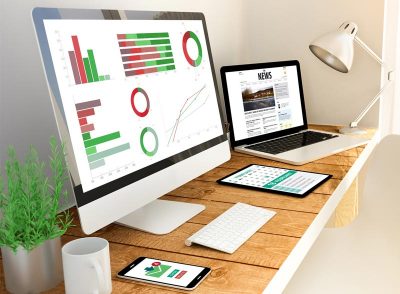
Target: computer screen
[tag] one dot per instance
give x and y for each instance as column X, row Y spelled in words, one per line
column 133, row 92
column 264, row 99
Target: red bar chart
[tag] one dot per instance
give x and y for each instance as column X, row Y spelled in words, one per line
column 95, row 154
column 84, row 68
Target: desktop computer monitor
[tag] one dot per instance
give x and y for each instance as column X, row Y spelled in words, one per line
column 135, row 99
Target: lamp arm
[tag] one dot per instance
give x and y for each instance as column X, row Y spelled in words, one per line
column 354, row 123
column 369, row 51
column 375, row 56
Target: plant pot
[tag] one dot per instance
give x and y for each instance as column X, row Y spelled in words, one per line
column 33, row 271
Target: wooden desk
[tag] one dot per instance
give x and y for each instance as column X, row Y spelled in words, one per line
column 254, row 265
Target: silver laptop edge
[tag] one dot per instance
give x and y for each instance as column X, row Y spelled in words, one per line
column 311, row 152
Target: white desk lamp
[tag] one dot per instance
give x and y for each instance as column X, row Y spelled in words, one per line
column 336, row 49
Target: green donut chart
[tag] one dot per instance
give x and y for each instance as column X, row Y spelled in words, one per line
column 144, row 132
column 190, row 35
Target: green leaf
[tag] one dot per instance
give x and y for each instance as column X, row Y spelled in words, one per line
column 30, row 200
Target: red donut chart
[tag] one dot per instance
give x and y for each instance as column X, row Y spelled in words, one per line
column 146, row 111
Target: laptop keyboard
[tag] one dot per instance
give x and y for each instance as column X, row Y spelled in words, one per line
column 291, row 142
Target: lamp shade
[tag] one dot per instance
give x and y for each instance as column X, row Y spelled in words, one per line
column 336, row 48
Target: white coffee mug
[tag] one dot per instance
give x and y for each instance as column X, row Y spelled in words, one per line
column 86, row 264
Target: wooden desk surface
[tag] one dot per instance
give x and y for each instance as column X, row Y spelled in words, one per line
column 254, row 264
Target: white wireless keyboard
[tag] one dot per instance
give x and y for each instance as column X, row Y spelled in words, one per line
column 232, row 228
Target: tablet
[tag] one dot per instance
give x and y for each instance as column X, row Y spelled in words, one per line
column 275, row 180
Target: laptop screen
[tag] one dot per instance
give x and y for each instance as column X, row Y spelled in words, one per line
column 263, row 99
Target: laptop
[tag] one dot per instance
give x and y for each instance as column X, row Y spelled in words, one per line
column 267, row 116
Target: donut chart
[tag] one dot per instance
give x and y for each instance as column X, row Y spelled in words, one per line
column 190, row 35
column 153, row 132
column 135, row 110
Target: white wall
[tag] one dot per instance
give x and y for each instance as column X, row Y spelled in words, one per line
column 281, row 30
column 390, row 105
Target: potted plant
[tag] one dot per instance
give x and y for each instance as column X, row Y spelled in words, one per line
column 30, row 220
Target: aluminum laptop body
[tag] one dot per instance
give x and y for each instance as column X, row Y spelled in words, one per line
column 265, row 104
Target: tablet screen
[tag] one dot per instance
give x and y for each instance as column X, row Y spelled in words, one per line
column 278, row 180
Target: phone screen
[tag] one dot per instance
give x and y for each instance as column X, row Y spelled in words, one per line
column 164, row 272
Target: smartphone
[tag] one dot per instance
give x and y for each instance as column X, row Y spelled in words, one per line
column 167, row 273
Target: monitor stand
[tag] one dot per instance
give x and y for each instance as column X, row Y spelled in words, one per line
column 161, row 216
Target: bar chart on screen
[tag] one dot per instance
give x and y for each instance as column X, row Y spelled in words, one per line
column 84, row 69
column 96, row 153
column 146, row 53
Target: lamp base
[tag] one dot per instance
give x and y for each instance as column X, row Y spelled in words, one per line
column 352, row 131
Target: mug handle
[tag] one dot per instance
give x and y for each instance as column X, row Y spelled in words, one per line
column 100, row 277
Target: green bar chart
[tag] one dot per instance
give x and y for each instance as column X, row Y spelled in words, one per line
column 84, row 68
column 146, row 53
column 93, row 66
column 95, row 152
column 102, row 139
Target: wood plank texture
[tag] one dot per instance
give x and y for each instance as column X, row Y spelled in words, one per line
column 225, row 275
column 261, row 249
column 347, row 210
column 253, row 265
column 285, row 223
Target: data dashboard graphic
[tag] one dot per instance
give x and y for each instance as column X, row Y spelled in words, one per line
column 186, row 37
column 84, row 68
column 148, row 152
column 159, row 99
column 156, row 269
column 146, row 53
column 96, row 158
column 134, row 107
column 191, row 105
column 278, row 179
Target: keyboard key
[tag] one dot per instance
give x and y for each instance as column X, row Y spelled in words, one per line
column 291, row 142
